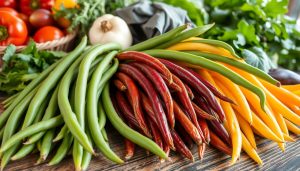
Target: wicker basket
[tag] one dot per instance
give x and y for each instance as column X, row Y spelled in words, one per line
column 63, row 44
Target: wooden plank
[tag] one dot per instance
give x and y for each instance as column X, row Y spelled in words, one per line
column 273, row 159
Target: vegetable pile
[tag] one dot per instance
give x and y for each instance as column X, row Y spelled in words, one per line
column 34, row 20
column 168, row 93
column 206, row 69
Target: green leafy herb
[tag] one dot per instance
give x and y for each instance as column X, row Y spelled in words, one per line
column 18, row 69
column 255, row 56
column 248, row 25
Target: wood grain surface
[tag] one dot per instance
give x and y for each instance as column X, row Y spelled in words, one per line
column 273, row 159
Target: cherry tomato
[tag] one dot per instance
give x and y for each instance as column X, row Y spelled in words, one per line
column 13, row 30
column 47, row 33
column 8, row 3
column 63, row 22
column 28, row 6
column 10, row 10
column 40, row 18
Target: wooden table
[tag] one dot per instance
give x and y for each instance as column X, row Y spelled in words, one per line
column 273, row 159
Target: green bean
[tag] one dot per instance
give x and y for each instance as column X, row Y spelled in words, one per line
column 32, row 85
column 47, row 143
column 80, row 91
column 157, row 40
column 77, row 155
column 41, row 111
column 62, row 150
column 62, row 133
column 92, row 109
column 208, row 64
column 72, row 96
column 51, row 81
column 7, row 155
column 243, row 66
column 126, row 131
column 102, row 117
column 40, row 126
column 104, row 134
column 24, row 151
column 185, row 35
column 86, row 157
column 218, row 43
column 1, row 133
column 15, row 117
column 10, row 98
column 49, row 113
column 77, row 149
column 7, row 104
column 39, row 161
column 65, row 106
column 82, row 78
column 107, row 75
column 38, row 145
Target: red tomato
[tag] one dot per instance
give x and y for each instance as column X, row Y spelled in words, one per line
column 47, row 33
column 25, row 18
column 40, row 18
column 28, row 6
column 63, row 22
column 10, row 10
column 8, row 3
column 13, row 30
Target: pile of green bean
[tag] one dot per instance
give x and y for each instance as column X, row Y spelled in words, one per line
column 61, row 111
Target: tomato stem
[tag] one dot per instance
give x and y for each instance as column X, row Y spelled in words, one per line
column 3, row 33
column 34, row 4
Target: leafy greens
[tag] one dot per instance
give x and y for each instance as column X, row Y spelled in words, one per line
column 256, row 28
column 18, row 69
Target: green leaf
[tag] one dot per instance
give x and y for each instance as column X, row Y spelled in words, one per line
column 9, row 52
column 255, row 9
column 30, row 48
column 276, row 7
column 240, row 42
column 248, row 31
column 256, row 57
column 229, row 35
column 277, row 29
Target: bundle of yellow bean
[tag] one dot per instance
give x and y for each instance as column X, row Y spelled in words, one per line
column 245, row 118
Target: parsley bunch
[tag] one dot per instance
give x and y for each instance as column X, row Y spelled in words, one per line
column 18, row 69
